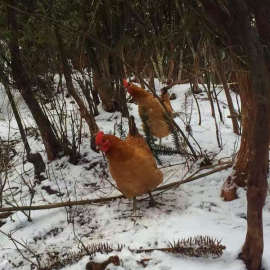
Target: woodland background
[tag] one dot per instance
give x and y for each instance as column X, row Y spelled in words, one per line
column 54, row 50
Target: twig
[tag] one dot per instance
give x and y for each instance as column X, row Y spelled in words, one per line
column 102, row 200
column 17, row 243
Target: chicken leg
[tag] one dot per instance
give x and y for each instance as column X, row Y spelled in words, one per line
column 134, row 205
column 152, row 202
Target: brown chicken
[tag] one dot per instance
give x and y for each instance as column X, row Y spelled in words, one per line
column 131, row 163
column 150, row 110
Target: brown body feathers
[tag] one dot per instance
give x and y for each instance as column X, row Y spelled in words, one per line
column 131, row 162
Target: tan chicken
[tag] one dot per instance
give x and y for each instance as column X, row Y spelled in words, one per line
column 150, row 110
column 131, row 163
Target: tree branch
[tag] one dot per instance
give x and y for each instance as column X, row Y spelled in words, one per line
column 103, row 200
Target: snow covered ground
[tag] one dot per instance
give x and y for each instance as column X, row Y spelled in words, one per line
column 192, row 209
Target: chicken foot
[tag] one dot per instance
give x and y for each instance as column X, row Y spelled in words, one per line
column 152, row 202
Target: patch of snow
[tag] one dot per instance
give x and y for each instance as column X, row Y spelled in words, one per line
column 192, row 209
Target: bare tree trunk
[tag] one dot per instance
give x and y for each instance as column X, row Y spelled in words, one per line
column 239, row 177
column 171, row 65
column 243, row 33
column 252, row 166
column 23, row 83
column 217, row 102
column 34, row 158
column 180, row 67
column 104, row 89
column 151, row 77
column 210, row 98
column 88, row 116
column 247, row 117
column 233, row 114
column 93, row 92
column 122, row 101
column 259, row 141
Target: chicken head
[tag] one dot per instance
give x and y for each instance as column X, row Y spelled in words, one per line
column 127, row 85
column 102, row 143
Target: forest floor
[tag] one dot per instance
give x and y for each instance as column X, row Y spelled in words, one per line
column 192, row 209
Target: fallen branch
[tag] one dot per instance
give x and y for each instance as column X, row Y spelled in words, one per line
column 197, row 246
column 61, row 204
column 191, row 178
column 102, row 200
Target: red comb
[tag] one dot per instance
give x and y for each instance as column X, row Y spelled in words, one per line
column 99, row 137
column 125, row 83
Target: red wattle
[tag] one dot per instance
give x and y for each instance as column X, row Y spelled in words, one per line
column 125, row 83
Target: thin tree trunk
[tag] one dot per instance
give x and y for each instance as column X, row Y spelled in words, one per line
column 23, row 83
column 171, row 65
column 209, row 94
column 85, row 87
column 233, row 114
column 151, row 77
column 122, row 99
column 34, row 158
column 181, row 64
column 89, row 118
column 217, row 102
column 239, row 176
column 103, row 87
